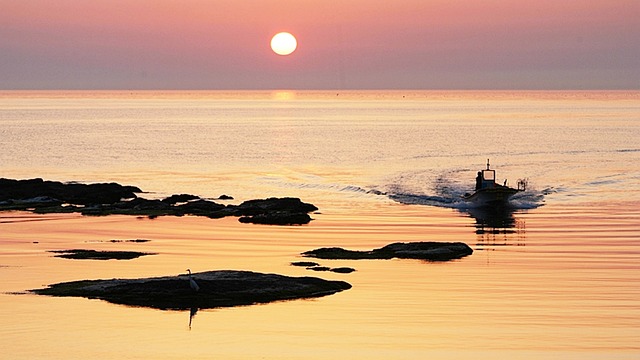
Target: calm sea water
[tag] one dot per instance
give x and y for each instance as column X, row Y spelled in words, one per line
column 557, row 277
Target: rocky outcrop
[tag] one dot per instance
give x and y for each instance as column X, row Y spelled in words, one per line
column 222, row 288
column 70, row 193
column 432, row 251
column 43, row 197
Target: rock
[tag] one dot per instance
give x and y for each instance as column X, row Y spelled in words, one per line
column 305, row 263
column 310, row 265
column 277, row 218
column 225, row 197
column 433, row 251
column 44, row 197
column 222, row 288
column 174, row 199
column 275, row 211
column 81, row 254
column 262, row 206
column 71, row 193
column 319, row 268
column 131, row 241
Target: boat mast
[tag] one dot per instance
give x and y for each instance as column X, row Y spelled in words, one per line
column 487, row 164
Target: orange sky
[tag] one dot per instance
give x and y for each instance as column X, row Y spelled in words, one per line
column 357, row 44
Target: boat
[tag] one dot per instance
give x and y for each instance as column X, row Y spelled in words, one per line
column 490, row 194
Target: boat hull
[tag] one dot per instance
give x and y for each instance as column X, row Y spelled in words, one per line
column 494, row 197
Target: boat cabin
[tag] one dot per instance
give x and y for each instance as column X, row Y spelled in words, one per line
column 486, row 179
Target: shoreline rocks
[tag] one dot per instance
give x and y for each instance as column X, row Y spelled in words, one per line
column 431, row 251
column 44, row 197
column 222, row 288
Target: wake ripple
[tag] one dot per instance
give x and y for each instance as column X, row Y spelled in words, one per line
column 447, row 192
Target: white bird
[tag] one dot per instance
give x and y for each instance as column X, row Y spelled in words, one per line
column 192, row 282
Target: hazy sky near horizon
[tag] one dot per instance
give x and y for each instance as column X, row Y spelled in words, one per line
column 348, row 44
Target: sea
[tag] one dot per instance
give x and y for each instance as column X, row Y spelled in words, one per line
column 556, row 275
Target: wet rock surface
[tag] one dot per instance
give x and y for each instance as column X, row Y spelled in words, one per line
column 432, row 251
column 39, row 196
column 223, row 288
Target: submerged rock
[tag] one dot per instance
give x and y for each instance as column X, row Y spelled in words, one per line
column 82, row 254
column 433, row 251
column 221, row 288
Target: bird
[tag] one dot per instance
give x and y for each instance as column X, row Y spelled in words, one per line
column 192, row 282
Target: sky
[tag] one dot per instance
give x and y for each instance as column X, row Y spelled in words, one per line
column 342, row 44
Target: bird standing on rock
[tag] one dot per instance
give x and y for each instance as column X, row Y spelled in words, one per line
column 192, row 282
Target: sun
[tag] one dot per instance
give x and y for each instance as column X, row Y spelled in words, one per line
column 283, row 43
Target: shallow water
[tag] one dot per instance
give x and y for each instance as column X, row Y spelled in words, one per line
column 557, row 277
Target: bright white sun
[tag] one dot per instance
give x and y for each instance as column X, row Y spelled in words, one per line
column 283, row 43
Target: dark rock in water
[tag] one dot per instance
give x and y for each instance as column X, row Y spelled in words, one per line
column 305, row 263
column 131, row 241
column 225, row 197
column 174, row 199
column 71, row 193
column 275, row 211
column 433, row 251
column 341, row 270
column 203, row 208
column 81, row 254
column 310, row 265
column 216, row 289
column 39, row 196
column 277, row 218
column 263, row 206
column 319, row 268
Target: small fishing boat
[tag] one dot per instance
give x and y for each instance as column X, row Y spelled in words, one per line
column 490, row 194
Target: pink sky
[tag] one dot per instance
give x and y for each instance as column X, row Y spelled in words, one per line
column 354, row 44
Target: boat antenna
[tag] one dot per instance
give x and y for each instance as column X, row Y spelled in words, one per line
column 487, row 164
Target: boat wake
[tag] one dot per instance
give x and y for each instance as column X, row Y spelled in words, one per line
column 445, row 191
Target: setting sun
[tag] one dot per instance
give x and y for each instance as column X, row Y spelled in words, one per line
column 283, row 43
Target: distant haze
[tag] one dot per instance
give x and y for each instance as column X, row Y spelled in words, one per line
column 354, row 44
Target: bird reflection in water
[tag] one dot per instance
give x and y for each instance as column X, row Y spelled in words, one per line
column 192, row 312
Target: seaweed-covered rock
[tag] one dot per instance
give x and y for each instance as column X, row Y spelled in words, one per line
column 222, row 288
column 433, row 251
